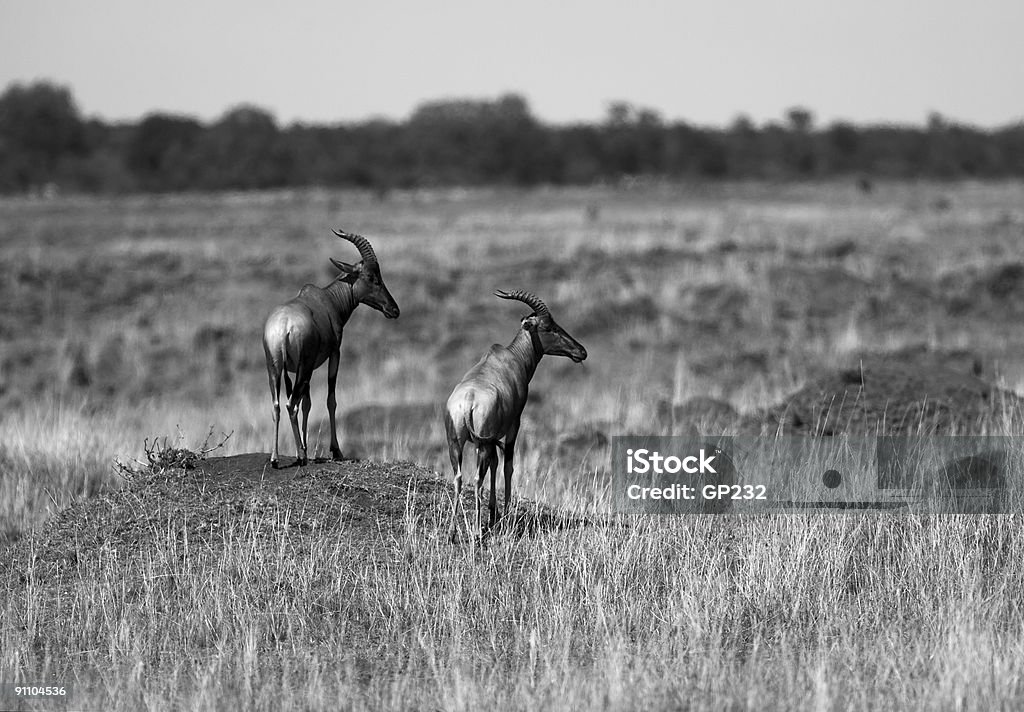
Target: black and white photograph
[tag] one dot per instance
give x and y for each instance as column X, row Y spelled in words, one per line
column 521, row 356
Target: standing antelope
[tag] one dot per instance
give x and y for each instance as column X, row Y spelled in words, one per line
column 487, row 404
column 306, row 331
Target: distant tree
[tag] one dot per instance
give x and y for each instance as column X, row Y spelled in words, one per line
column 893, row 151
column 801, row 154
column 1009, row 144
column 842, row 145
column 39, row 125
column 469, row 141
column 742, row 125
column 650, row 141
column 776, row 150
column 801, row 120
column 242, row 150
column 519, row 143
column 447, row 137
column 634, row 140
column 712, row 157
column 580, row 154
column 743, row 146
column 619, row 113
column 956, row 150
column 161, row 149
column 376, row 156
column 936, row 122
column 617, row 136
column 941, row 160
column 681, row 149
column 102, row 167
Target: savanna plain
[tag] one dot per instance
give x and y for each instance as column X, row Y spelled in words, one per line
column 177, row 579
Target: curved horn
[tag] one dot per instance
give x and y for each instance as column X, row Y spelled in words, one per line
column 534, row 301
column 365, row 251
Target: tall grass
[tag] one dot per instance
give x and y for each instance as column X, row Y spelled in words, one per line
column 780, row 612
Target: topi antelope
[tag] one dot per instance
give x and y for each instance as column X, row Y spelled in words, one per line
column 487, row 404
column 306, row 331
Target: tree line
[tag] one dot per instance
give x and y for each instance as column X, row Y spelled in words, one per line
column 45, row 141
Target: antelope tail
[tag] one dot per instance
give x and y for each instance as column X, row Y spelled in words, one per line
column 469, row 426
column 284, row 366
column 477, row 437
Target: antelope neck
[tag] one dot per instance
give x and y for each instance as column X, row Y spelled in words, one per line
column 526, row 350
column 343, row 298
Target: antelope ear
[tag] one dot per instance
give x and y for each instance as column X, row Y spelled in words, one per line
column 345, row 266
column 350, row 272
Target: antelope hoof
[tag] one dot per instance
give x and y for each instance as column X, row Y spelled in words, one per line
column 273, row 463
column 337, row 456
column 301, row 462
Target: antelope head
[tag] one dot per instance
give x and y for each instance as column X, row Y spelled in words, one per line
column 545, row 332
column 367, row 284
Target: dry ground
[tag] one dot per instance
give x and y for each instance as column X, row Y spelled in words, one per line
column 744, row 308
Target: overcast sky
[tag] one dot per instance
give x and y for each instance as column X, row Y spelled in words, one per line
column 704, row 61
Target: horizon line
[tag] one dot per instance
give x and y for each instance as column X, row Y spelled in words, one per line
column 374, row 117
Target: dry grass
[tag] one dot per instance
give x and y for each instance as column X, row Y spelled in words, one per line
column 128, row 318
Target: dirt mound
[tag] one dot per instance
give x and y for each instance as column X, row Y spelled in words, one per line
column 611, row 314
column 892, row 394
column 824, row 292
column 993, row 291
column 363, row 506
column 713, row 305
column 817, row 292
